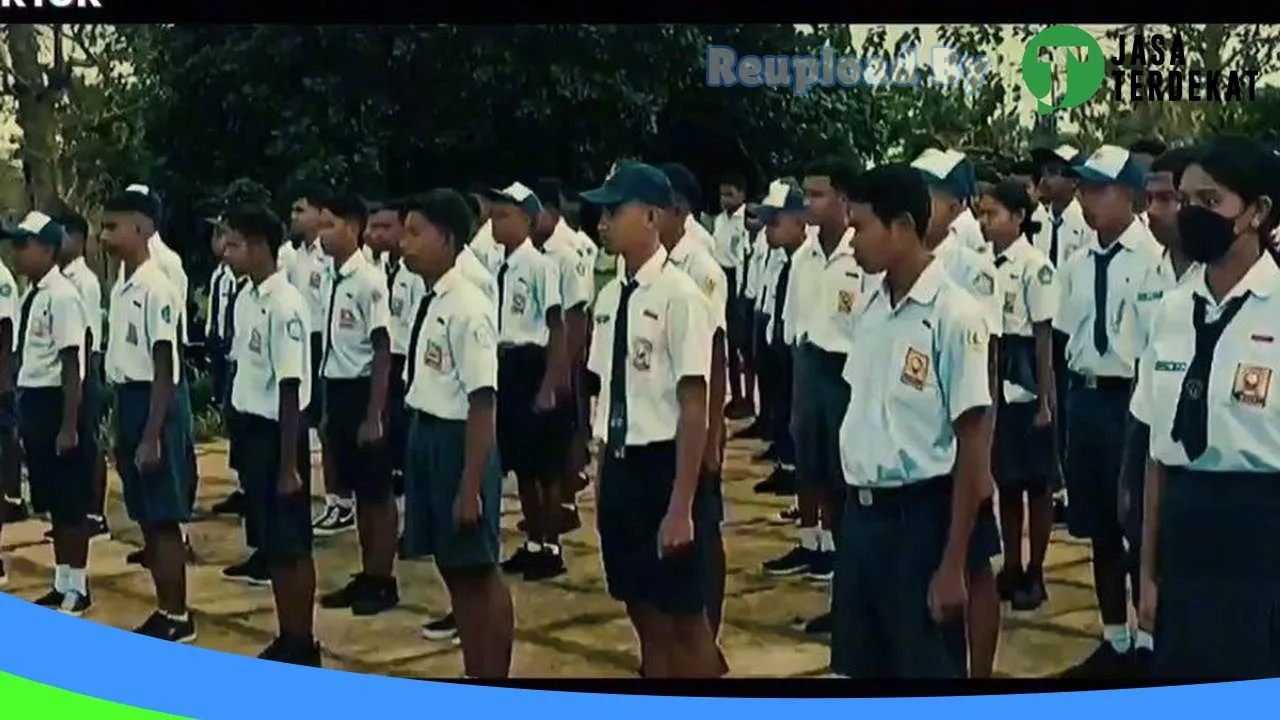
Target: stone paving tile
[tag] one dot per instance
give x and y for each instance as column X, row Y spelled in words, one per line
column 566, row 627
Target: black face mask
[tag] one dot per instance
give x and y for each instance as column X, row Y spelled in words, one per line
column 1206, row 236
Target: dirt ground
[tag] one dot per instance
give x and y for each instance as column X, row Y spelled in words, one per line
column 567, row 627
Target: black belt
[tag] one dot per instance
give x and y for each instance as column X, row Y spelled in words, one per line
column 1105, row 383
column 890, row 497
column 427, row 417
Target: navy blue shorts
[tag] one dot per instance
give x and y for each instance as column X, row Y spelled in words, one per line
column 1024, row 457
column 277, row 526
column 984, row 544
column 397, row 430
column 634, row 494
column 162, row 495
column 366, row 470
column 821, row 401
column 531, row 444
column 315, row 410
column 61, row 485
column 433, row 477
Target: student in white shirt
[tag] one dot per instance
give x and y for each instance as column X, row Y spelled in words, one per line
column 915, row 446
column 745, row 317
column 142, row 366
column 1209, row 557
column 10, row 511
column 50, row 379
column 270, row 393
column 687, row 253
column 651, row 353
column 453, row 497
column 217, row 332
column 731, row 237
column 354, row 370
column 1024, row 459
column 1096, row 312
column 559, row 242
column 71, row 259
column 1144, row 152
column 382, row 236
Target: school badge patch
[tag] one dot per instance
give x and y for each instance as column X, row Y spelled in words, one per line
column 518, row 304
column 166, row 314
column 709, row 286
column 1010, row 301
column 642, row 354
column 346, row 319
column 131, row 335
column 1252, row 385
column 1045, row 276
column 6, row 290
column 844, row 302
column 294, row 329
column 316, row 280
column 915, row 369
column 255, row 341
column 484, row 336
column 433, row 356
column 985, row 284
column 397, row 305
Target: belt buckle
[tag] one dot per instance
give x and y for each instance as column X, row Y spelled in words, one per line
column 865, row 497
column 1091, row 382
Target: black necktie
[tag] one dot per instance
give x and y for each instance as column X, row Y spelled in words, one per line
column 1102, row 261
column 1000, row 261
column 616, row 440
column 23, row 318
column 215, row 309
column 780, row 299
column 229, row 327
column 328, row 322
column 502, row 289
column 1191, row 420
column 1056, row 224
column 411, row 362
column 391, row 277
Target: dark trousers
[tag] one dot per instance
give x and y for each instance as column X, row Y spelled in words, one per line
column 782, row 358
column 733, row 339
column 765, row 372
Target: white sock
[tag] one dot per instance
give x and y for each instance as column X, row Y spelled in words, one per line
column 179, row 618
column 554, row 549
column 809, row 538
column 1119, row 636
column 1143, row 640
column 77, row 580
column 827, row 542
column 60, row 578
column 788, row 467
column 532, row 546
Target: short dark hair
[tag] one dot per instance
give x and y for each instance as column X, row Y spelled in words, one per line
column 1175, row 161
column 894, row 191
column 843, row 173
column 472, row 200
column 734, row 180
column 448, row 210
column 74, row 223
column 256, row 223
column 1028, row 168
column 1148, row 146
column 684, row 183
column 550, row 192
column 348, row 207
column 387, row 204
column 315, row 194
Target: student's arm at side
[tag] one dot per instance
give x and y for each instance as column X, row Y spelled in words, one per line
column 689, row 339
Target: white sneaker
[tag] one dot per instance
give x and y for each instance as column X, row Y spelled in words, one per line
column 336, row 519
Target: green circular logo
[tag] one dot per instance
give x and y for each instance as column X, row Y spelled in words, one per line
column 1062, row 80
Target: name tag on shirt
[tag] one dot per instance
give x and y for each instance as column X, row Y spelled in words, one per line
column 1150, row 296
column 433, row 357
column 1170, row 366
column 915, row 368
column 1252, row 385
column 346, row 319
column 642, row 354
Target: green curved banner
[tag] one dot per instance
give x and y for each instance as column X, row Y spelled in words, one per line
column 21, row 699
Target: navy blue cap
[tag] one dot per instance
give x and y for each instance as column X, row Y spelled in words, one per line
column 1110, row 165
column 1044, row 154
column 37, row 227
column 633, row 182
column 948, row 170
column 517, row 194
column 782, row 198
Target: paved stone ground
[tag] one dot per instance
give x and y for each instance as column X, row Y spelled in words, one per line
column 567, row 627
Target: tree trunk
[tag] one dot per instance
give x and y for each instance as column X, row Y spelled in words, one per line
column 36, row 117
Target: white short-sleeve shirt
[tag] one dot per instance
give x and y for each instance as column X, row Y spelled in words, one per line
column 1027, row 297
column 692, row 257
column 56, row 323
column 976, row 273
column 456, row 351
column 1243, row 420
column 826, row 294
column 358, row 309
column 669, row 338
column 563, row 249
column 90, row 291
column 143, row 314
column 271, row 347
column 312, row 273
column 407, row 289
column 922, row 365
column 529, row 288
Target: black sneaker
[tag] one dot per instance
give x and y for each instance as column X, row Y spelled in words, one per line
column 163, row 627
column 282, row 650
column 252, row 571
column 1008, row 582
column 381, row 594
column 401, row 552
column 822, row 566
column 233, row 504
column 1103, row 663
column 769, row 454
column 545, row 565
column 794, row 562
column 1031, row 593
column 358, row 588
column 569, row 519
column 820, row 625
column 335, row 520
column 519, row 560
column 137, row 557
column 51, row 599
column 739, row 409
column 754, row 431
column 446, row 628
column 14, row 510
column 1142, row 664
column 48, row 534
column 779, row 482
column 98, row 529
column 1059, row 510
column 790, row 516
column 75, row 603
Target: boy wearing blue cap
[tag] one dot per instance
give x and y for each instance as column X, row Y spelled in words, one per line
column 1096, row 313
column 142, row 364
column 650, row 358
column 534, row 416
column 50, row 356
